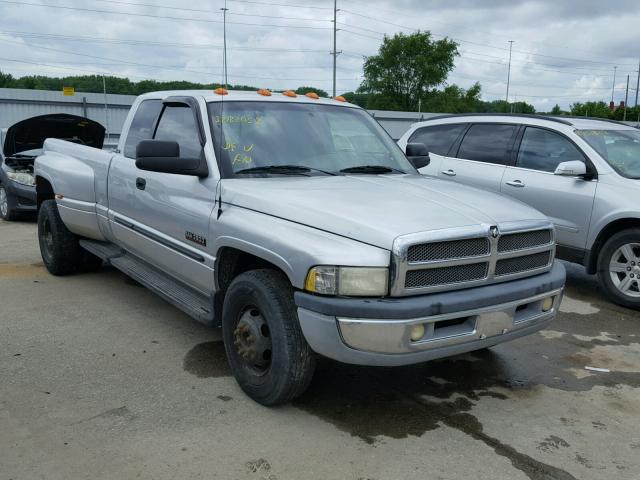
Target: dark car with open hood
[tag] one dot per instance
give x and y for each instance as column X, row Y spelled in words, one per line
column 22, row 143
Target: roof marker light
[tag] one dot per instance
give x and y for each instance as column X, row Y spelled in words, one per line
column 264, row 92
column 313, row 95
column 289, row 93
column 340, row 98
column 221, row 91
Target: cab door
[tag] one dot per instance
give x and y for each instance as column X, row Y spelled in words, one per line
column 482, row 156
column 173, row 211
column 567, row 201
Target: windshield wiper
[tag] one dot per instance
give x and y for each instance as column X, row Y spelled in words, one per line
column 372, row 169
column 283, row 169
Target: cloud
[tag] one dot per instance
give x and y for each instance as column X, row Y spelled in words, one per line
column 563, row 51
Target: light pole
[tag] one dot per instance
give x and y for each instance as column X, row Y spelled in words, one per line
column 335, row 47
column 224, row 42
column 509, row 72
column 613, row 87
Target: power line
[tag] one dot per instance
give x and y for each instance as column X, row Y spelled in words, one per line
column 282, row 4
column 463, row 40
column 198, row 10
column 152, row 43
column 165, row 17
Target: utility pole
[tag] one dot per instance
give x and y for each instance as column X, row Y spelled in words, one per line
column 335, row 51
column 106, row 108
column 626, row 99
column 224, row 42
column 637, row 83
column 509, row 71
column 613, row 87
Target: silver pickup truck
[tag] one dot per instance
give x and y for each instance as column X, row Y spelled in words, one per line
column 299, row 227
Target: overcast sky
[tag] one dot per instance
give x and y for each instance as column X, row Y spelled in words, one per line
column 564, row 51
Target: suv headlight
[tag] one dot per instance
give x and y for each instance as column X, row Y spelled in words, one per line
column 22, row 178
column 348, row 281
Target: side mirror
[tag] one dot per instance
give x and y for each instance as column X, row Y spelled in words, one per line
column 164, row 157
column 418, row 154
column 574, row 168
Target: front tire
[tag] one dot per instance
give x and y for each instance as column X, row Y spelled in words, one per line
column 265, row 347
column 619, row 268
column 60, row 249
column 7, row 211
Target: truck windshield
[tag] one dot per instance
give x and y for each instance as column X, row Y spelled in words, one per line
column 620, row 148
column 278, row 138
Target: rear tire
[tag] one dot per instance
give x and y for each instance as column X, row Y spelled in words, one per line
column 265, row 347
column 619, row 268
column 7, row 211
column 60, row 249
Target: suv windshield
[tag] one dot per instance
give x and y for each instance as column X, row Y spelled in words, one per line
column 277, row 138
column 620, row 148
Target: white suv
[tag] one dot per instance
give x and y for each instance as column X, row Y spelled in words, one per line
column 582, row 173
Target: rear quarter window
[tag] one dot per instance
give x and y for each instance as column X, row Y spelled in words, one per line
column 438, row 138
column 488, row 142
column 142, row 125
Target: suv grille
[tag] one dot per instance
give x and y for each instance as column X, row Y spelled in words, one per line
column 426, row 252
column 480, row 257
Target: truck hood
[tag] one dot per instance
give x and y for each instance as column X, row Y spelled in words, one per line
column 374, row 209
column 31, row 133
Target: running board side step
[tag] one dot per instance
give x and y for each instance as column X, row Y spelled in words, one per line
column 191, row 302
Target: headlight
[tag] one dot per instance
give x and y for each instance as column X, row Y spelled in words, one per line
column 348, row 281
column 22, row 178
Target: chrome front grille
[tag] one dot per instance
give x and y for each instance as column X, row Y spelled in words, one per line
column 426, row 252
column 470, row 256
column 521, row 241
column 445, row 275
column 522, row 264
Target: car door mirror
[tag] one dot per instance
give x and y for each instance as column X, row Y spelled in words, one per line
column 164, row 157
column 418, row 154
column 574, row 168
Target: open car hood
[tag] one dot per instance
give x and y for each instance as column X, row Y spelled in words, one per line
column 31, row 133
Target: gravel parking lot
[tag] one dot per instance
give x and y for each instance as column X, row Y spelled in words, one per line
column 99, row 378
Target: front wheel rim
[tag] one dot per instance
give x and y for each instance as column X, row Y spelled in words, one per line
column 252, row 341
column 46, row 238
column 4, row 202
column 624, row 269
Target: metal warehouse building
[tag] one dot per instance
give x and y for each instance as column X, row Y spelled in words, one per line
column 17, row 104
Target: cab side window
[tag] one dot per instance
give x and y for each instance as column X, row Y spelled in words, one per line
column 543, row 150
column 142, row 125
column 438, row 138
column 488, row 142
column 177, row 123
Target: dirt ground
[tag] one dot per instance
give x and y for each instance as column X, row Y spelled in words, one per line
column 101, row 379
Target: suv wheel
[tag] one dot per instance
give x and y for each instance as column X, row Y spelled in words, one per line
column 6, row 209
column 60, row 250
column 265, row 347
column 619, row 268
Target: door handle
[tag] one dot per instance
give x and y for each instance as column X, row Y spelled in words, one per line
column 141, row 183
column 449, row 173
column 515, row 183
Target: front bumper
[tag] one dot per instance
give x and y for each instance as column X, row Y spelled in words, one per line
column 377, row 331
column 22, row 198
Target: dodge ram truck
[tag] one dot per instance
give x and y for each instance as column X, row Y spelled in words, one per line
column 300, row 228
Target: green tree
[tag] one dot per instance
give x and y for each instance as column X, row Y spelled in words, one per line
column 305, row 90
column 453, row 99
column 556, row 110
column 591, row 109
column 501, row 106
column 406, row 68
